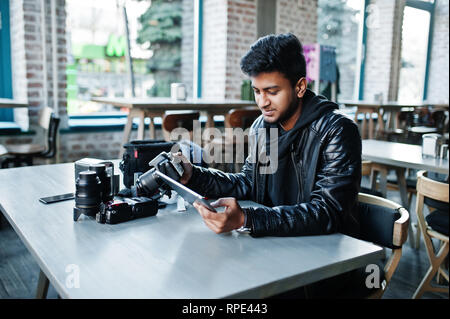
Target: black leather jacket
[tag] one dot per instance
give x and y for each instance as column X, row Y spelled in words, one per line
column 327, row 155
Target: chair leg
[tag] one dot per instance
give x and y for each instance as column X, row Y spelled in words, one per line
column 436, row 261
column 418, row 236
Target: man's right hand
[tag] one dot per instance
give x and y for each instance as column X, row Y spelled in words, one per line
column 187, row 166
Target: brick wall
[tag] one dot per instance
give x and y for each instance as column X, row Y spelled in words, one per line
column 241, row 33
column 214, row 48
column 298, row 17
column 438, row 72
column 27, row 63
column 230, row 28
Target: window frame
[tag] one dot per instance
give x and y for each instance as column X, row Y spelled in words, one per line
column 6, row 90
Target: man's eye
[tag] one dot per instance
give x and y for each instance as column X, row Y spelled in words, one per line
column 256, row 92
column 273, row 92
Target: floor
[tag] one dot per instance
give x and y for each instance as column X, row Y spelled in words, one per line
column 19, row 272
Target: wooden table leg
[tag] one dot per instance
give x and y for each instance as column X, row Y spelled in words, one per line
column 210, row 120
column 152, row 128
column 371, row 127
column 42, row 287
column 383, row 171
column 127, row 130
column 141, row 127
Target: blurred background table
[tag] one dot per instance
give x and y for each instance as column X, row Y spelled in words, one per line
column 155, row 107
column 404, row 122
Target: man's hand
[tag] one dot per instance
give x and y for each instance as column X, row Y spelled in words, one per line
column 187, row 166
column 222, row 222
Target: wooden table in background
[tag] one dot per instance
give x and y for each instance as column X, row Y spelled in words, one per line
column 155, row 107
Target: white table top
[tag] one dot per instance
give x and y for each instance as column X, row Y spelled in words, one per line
column 401, row 155
column 170, row 255
column 393, row 104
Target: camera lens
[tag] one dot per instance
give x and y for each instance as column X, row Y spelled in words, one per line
column 88, row 193
column 148, row 183
column 100, row 170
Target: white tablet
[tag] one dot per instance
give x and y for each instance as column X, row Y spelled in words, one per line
column 188, row 194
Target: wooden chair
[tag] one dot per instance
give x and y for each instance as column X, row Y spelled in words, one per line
column 397, row 124
column 434, row 225
column 178, row 119
column 380, row 185
column 366, row 170
column 24, row 153
column 384, row 223
column 369, row 131
column 236, row 118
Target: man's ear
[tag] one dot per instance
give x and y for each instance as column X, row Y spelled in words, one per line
column 300, row 87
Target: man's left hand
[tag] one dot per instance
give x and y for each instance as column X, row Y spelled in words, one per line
column 231, row 218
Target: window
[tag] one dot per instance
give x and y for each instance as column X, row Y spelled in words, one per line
column 415, row 47
column 159, row 44
column 339, row 24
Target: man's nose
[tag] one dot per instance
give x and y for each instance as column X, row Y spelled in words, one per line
column 263, row 101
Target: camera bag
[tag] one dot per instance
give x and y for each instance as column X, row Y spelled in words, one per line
column 138, row 154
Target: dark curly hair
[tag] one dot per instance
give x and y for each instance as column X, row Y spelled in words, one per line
column 282, row 53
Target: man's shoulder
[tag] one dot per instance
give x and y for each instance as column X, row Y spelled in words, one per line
column 333, row 120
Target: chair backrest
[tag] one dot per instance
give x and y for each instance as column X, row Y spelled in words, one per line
column 385, row 223
column 184, row 119
column 430, row 188
column 50, row 123
column 243, row 117
column 175, row 119
column 372, row 130
column 436, row 195
column 366, row 168
column 439, row 119
column 52, row 135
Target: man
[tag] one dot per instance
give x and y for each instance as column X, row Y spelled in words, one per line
column 314, row 189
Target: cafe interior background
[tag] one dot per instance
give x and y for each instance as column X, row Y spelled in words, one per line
column 383, row 50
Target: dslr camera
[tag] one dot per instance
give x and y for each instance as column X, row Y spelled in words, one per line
column 121, row 210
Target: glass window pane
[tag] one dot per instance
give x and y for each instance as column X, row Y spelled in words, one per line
column 339, row 26
column 97, row 48
column 414, row 54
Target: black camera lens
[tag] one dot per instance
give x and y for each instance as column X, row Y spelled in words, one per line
column 148, row 183
column 105, row 179
column 88, row 194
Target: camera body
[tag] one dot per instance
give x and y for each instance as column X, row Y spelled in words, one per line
column 118, row 211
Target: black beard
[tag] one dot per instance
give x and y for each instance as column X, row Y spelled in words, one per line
column 295, row 104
